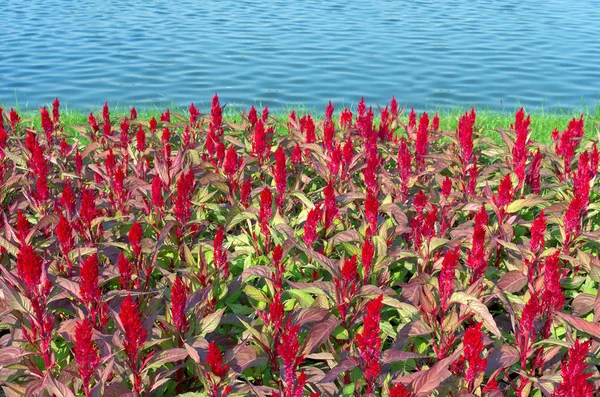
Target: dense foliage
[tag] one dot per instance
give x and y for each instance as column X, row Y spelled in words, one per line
column 350, row 256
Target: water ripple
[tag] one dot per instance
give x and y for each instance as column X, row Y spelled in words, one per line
column 428, row 53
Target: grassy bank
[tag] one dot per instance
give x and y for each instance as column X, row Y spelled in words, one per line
column 542, row 122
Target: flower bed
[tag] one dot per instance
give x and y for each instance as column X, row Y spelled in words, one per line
column 193, row 254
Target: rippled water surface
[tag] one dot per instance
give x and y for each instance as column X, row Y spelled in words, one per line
column 290, row 53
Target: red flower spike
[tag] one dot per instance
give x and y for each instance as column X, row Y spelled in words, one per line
column 178, row 305
column 230, row 166
column 310, row 226
column 399, row 391
column 125, row 270
column 29, row 267
column 464, row 135
column 505, row 193
column 153, row 125
column 265, row 114
column 245, row 191
column 266, row 210
column 185, row 190
column 214, row 359
column 349, row 274
column 135, row 238
column 132, row 114
column 553, row 297
column 446, row 187
column 259, row 141
column 78, row 162
column 280, row 175
column 369, row 342
column 538, row 229
column 473, row 342
column 47, row 124
column 87, row 355
column 194, row 113
column 140, row 138
column 220, row 254
column 533, row 178
column 23, row 226
column 124, row 132
column 289, row 350
column 412, row 120
column 64, row 234
column 55, row 110
column 331, row 210
column 367, row 254
column 252, row 116
column 575, row 379
column 157, row 198
column 345, row 120
column 88, row 284
column 435, row 124
column 307, row 126
column 106, row 113
column 394, row 107
column 93, row 124
column 519, row 150
column 371, row 211
column 135, row 335
column 13, row 118
column 477, row 260
column 297, row 155
column 166, row 116
column 447, row 274
column 422, row 142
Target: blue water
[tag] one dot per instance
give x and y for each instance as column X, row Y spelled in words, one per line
column 288, row 53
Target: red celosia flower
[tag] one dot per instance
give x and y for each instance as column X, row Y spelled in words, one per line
column 412, row 120
column 367, row 254
column 132, row 114
column 280, row 175
column 135, row 335
column 88, row 284
column 371, row 211
column 214, row 358
column 533, row 178
column 572, row 218
column 124, row 132
column 166, row 136
column 185, row 189
column 187, row 137
column 422, row 141
column 135, row 238
column 166, row 116
column 477, row 258
column 47, row 124
column 345, row 120
column 125, row 270
column 64, row 148
column 464, row 134
column 538, row 229
column 276, row 312
column 369, row 342
column 29, row 267
column 157, row 198
column 573, row 372
column 64, row 233
column 194, row 113
column 289, row 350
column 153, row 125
column 297, row 155
column 394, row 107
column 266, row 209
column 566, row 143
column 525, row 336
column 371, row 172
column 307, row 126
column 111, row 163
column 519, row 150
column 331, row 210
column 349, row 274
column 220, row 152
column 399, row 391
column 335, row 161
column 553, row 297
column 446, row 277
column 86, row 353
column 384, row 125
column 23, row 226
column 446, row 187
column 13, row 118
column 78, row 162
column 348, row 152
column 231, row 165
column 55, row 110
column 140, row 138
column 220, row 254
column 328, row 134
column 93, row 124
column 178, row 305
column 473, row 342
column 310, row 226
column 435, row 124
column 245, row 191
column 265, row 113
column 252, row 116
column 404, row 165
column 505, row 194
column 259, row 141
column 106, row 113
